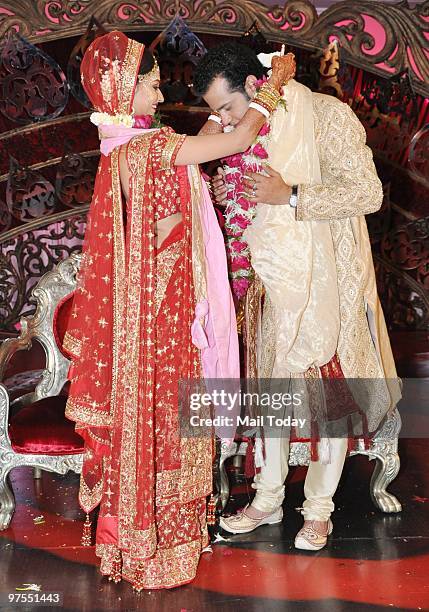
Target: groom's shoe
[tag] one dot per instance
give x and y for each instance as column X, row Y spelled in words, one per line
column 311, row 537
column 241, row 523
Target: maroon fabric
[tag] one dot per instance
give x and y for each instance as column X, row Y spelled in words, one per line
column 42, row 429
column 61, row 321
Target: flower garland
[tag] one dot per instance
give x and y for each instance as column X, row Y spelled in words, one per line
column 240, row 211
column 137, row 121
column 148, row 121
column 106, row 119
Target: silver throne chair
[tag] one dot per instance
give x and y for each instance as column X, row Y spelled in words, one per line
column 39, row 413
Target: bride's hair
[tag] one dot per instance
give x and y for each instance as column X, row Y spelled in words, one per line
column 148, row 61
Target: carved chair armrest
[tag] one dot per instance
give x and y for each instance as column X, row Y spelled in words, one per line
column 52, row 288
column 10, row 346
column 5, row 444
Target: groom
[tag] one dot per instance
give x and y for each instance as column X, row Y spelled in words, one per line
column 309, row 246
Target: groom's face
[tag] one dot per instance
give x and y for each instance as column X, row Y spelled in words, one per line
column 231, row 105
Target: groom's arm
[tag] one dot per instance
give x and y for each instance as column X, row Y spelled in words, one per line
column 350, row 186
column 213, row 125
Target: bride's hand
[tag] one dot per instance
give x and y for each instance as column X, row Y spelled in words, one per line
column 283, row 70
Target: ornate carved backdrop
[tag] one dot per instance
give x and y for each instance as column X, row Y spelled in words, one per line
column 400, row 47
column 49, row 152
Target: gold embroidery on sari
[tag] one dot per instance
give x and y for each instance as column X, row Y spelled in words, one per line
column 118, row 275
column 129, row 73
column 140, row 543
column 79, row 412
column 170, row 150
column 194, row 478
column 198, row 255
column 171, row 567
column 165, row 263
column 94, row 436
column 90, row 498
column 72, row 345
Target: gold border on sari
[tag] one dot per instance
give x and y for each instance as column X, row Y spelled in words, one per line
column 72, row 345
column 129, row 75
column 165, row 261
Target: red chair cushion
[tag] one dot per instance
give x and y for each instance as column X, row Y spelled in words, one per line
column 42, row 429
column 61, row 321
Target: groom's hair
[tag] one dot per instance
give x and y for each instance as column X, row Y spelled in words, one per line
column 232, row 61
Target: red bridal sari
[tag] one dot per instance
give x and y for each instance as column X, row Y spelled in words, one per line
column 130, row 337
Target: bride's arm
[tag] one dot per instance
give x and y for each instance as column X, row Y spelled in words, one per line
column 206, row 147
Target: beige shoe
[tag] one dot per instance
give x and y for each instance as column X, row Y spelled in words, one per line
column 308, row 538
column 241, row 523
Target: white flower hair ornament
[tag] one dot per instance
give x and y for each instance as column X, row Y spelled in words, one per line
column 265, row 58
column 106, row 119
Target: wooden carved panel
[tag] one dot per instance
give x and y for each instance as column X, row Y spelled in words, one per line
column 27, row 257
column 402, row 43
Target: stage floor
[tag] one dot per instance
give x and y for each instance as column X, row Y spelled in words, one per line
column 372, row 562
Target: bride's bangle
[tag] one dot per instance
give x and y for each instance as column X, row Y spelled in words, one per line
column 267, row 97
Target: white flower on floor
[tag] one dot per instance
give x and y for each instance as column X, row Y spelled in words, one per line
column 27, row 586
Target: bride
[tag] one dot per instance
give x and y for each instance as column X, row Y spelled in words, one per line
column 152, row 307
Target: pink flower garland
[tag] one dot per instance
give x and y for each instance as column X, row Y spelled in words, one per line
column 240, row 210
column 143, row 121
column 147, row 121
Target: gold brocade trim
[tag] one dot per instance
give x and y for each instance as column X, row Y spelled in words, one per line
column 170, row 150
column 140, row 228
column 267, row 345
column 164, row 266
column 313, row 373
column 316, row 394
column 92, row 435
column 90, row 498
column 81, row 413
column 118, row 274
column 169, row 568
column 72, row 345
column 198, row 255
column 129, row 73
column 107, row 554
column 252, row 318
column 192, row 480
column 140, row 544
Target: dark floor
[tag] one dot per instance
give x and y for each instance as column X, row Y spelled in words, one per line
column 373, row 561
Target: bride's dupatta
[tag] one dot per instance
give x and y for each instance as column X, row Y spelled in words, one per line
column 95, row 337
column 130, row 337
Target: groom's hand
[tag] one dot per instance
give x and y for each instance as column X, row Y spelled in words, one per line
column 269, row 189
column 219, row 186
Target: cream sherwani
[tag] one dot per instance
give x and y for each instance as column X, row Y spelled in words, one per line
column 342, row 311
